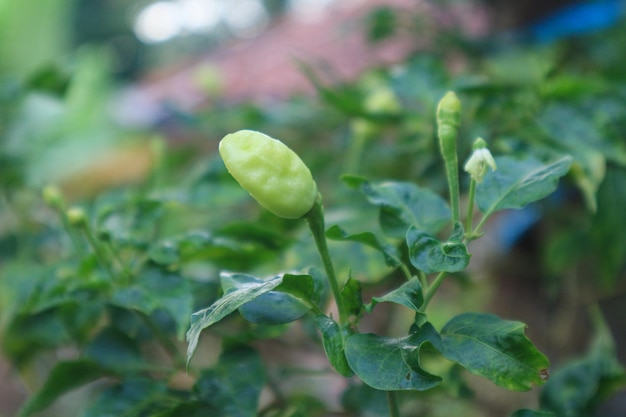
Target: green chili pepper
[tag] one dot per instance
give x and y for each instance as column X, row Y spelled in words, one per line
column 448, row 121
column 270, row 171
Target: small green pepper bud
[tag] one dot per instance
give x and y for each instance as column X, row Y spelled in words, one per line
column 270, row 171
column 448, row 122
column 76, row 217
column 52, row 196
column 382, row 100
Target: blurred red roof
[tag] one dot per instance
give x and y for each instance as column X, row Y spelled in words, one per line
column 265, row 67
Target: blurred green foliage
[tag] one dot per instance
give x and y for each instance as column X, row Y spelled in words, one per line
column 32, row 34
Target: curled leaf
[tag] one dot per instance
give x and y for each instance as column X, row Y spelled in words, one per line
column 429, row 254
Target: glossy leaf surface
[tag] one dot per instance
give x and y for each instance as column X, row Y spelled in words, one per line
column 408, row 294
column 155, row 290
column 239, row 374
column 392, row 364
column 334, row 346
column 404, row 204
column 114, row 350
column 517, row 183
column 428, row 254
column 352, row 296
column 134, row 397
column 230, row 302
column 288, row 302
column 389, row 252
column 496, row 349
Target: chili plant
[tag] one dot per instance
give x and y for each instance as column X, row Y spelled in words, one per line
column 425, row 238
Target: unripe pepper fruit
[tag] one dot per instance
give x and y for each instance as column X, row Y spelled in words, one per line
column 270, row 171
column 448, row 117
column 448, row 122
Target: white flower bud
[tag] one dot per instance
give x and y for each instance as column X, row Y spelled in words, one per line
column 480, row 161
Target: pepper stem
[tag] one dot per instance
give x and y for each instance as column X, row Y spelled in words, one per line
column 315, row 219
column 392, row 402
column 470, row 209
column 452, row 171
column 432, row 289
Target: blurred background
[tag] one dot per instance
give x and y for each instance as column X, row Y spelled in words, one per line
column 97, row 95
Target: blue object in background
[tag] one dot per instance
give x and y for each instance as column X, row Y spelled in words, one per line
column 577, row 19
column 514, row 224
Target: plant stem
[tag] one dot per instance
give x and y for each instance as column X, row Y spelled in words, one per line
column 432, row 289
column 128, row 275
column 70, row 232
column 355, row 153
column 97, row 248
column 452, row 172
column 423, row 280
column 470, row 209
column 315, row 219
column 476, row 232
column 392, row 401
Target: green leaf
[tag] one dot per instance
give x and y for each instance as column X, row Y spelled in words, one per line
column 230, row 302
column 27, row 335
column 575, row 389
column 588, row 173
column 238, row 245
column 517, row 183
column 165, row 253
column 530, row 413
column 577, row 131
column 155, row 290
column 352, row 296
column 132, row 398
column 496, row 349
column 333, row 341
column 392, row 364
column 607, row 230
column 429, row 254
column 288, row 302
column 390, row 253
column 321, row 288
column 113, row 349
column 408, row 294
column 381, row 23
column 233, row 386
column 404, row 204
column 187, row 409
column 301, row 286
column 343, row 97
column 28, row 290
column 64, row 377
column 50, row 79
